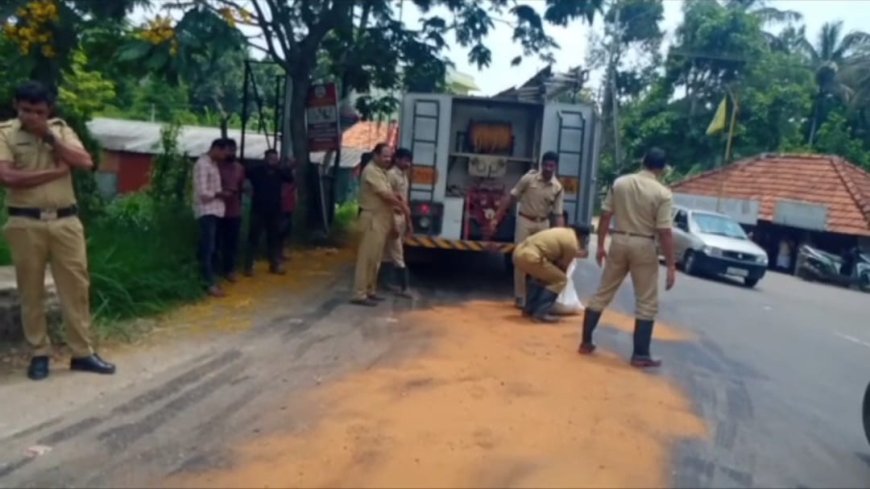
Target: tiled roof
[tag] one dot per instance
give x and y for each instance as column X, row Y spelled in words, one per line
column 815, row 179
column 366, row 134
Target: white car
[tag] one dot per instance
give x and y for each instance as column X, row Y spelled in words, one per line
column 714, row 244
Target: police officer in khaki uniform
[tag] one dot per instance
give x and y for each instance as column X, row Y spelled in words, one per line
column 394, row 253
column 37, row 155
column 642, row 208
column 377, row 201
column 540, row 196
column 545, row 257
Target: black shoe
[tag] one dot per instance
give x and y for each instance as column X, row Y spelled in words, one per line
column 376, row 298
column 38, row 369
column 93, row 364
column 533, row 292
column 590, row 322
column 364, row 302
column 641, row 358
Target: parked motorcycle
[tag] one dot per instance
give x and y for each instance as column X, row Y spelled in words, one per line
column 818, row 265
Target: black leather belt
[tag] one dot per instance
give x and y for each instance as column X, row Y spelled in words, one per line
column 633, row 235
column 43, row 214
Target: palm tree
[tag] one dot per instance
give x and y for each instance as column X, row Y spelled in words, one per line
column 836, row 59
column 762, row 10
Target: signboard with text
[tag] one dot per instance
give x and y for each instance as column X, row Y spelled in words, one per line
column 322, row 123
column 813, row 217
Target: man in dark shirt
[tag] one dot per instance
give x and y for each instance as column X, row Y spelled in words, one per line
column 267, row 181
column 230, row 226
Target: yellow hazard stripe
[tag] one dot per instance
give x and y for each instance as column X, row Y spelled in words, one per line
column 463, row 245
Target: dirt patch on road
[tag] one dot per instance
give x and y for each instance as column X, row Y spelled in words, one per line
column 496, row 402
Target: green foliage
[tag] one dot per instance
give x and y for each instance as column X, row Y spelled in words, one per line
column 84, row 91
column 142, row 248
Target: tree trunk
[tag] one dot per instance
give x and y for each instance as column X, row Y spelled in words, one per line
column 307, row 207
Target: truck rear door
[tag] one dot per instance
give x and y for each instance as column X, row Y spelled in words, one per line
column 425, row 130
column 571, row 130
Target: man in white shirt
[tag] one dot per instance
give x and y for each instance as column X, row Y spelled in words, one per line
column 209, row 207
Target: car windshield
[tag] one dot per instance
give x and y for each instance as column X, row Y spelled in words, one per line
column 718, row 225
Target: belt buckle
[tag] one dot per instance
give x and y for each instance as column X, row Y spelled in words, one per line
column 48, row 215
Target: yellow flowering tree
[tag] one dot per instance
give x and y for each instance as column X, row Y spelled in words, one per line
column 46, row 32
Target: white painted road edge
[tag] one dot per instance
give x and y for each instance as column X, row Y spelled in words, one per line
column 852, row 339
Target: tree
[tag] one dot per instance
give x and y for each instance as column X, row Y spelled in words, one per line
column 367, row 43
column 46, row 32
column 828, row 56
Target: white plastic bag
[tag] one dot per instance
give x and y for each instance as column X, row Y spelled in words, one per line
column 568, row 304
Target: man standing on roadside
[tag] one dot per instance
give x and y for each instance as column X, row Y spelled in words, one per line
column 230, row 225
column 288, row 206
column 540, row 196
column 267, row 181
column 394, row 252
column 376, row 201
column 209, row 207
column 642, row 207
column 37, row 156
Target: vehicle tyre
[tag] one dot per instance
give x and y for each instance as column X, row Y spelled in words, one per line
column 690, row 266
column 750, row 282
column 865, row 413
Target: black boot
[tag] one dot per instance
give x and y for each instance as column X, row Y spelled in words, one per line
column 403, row 278
column 38, row 369
column 590, row 322
column 533, row 290
column 543, row 303
column 385, row 276
column 641, row 358
column 93, row 364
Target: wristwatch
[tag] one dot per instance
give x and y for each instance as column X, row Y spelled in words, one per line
column 49, row 138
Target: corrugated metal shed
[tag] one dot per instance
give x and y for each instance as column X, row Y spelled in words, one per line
column 144, row 137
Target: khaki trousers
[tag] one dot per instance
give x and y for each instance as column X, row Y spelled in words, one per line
column 524, row 229
column 529, row 261
column 375, row 228
column 394, row 250
column 60, row 243
column 636, row 256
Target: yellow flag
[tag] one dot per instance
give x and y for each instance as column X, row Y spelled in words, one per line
column 718, row 123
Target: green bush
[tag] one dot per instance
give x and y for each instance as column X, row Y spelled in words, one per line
column 142, row 259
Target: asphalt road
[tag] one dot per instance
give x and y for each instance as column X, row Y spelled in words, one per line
column 777, row 371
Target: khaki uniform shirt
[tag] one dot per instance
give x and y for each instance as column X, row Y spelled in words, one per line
column 398, row 182
column 557, row 245
column 27, row 152
column 639, row 203
column 374, row 181
column 538, row 198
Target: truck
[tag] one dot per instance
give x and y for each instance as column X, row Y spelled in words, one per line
column 469, row 152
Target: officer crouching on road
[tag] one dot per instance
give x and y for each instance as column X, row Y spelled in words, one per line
column 541, row 198
column 642, row 207
column 37, row 156
column 545, row 257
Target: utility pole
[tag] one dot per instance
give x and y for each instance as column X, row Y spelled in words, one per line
column 615, row 35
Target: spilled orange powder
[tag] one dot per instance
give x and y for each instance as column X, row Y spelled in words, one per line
column 306, row 268
column 495, row 402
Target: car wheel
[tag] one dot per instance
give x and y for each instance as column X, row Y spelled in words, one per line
column 689, row 264
column 750, row 282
